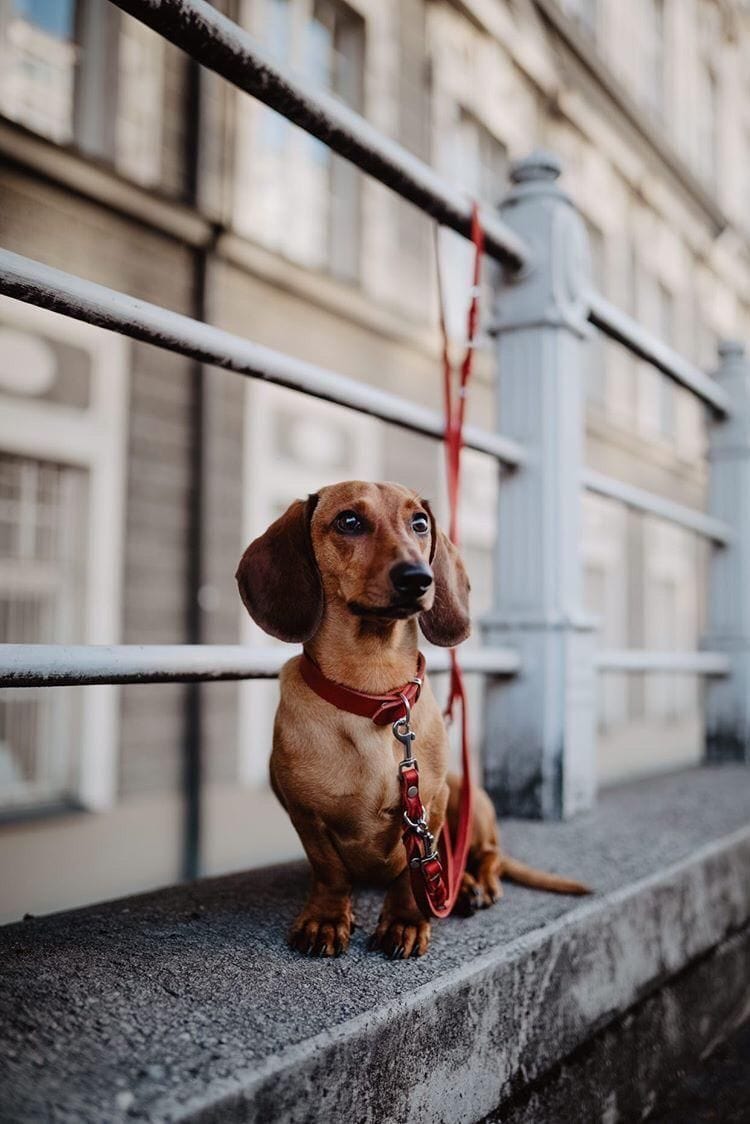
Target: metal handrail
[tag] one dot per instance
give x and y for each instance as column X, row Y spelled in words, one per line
column 221, row 45
column 58, row 665
column 643, row 500
column 641, row 342
column 35, row 283
column 642, row 659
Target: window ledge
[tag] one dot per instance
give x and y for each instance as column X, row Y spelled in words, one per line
column 186, row 1003
column 347, row 299
column 14, row 815
column 66, row 167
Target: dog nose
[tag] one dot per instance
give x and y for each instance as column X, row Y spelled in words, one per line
column 411, row 578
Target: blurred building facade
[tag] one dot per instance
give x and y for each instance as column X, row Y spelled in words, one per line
column 120, row 162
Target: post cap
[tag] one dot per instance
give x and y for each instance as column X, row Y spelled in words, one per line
column 540, row 165
column 729, row 349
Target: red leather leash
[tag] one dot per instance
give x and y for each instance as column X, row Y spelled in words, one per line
column 436, row 874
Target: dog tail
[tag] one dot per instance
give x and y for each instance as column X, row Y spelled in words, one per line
column 540, row 879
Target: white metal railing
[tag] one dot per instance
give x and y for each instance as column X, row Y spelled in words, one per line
column 58, row 665
column 217, row 43
column 683, row 663
column 39, row 284
column 716, row 530
column 540, row 332
column 641, row 342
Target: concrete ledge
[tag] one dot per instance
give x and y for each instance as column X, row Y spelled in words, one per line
column 186, row 1004
column 620, row 1072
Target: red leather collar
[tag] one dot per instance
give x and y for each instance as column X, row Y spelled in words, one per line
column 382, row 709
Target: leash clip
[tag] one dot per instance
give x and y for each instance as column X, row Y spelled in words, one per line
column 422, row 830
column 403, row 733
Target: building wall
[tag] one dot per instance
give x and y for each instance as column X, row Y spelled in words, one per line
column 470, row 87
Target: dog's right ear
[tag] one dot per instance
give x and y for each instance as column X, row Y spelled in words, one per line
column 278, row 578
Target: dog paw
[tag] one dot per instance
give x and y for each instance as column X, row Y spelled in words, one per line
column 399, row 939
column 488, row 881
column 477, row 893
column 314, row 935
column 470, row 897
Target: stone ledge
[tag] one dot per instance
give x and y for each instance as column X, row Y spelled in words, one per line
column 619, row 1075
column 186, row 1004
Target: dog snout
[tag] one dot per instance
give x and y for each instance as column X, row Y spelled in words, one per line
column 411, row 579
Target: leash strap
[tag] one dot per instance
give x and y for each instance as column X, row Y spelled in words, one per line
column 436, row 873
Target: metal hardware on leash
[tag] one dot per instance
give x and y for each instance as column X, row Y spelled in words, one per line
column 421, row 828
column 403, row 733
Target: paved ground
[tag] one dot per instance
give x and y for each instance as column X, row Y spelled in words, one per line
column 148, row 1001
column 715, row 1090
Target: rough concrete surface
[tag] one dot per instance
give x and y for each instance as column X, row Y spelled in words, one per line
column 187, row 1004
column 716, row 1088
column 649, row 1062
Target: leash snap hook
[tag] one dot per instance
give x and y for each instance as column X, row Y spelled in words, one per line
column 403, row 732
column 422, row 830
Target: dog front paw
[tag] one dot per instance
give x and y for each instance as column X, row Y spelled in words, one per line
column 315, row 934
column 399, row 938
column 470, row 897
column 477, row 893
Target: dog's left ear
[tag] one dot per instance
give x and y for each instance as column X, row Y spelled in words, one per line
column 278, row 577
column 447, row 623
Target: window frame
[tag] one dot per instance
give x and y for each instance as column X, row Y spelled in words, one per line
column 94, row 439
column 96, row 110
column 342, row 255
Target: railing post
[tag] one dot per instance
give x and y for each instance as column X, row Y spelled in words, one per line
column 728, row 698
column 539, row 745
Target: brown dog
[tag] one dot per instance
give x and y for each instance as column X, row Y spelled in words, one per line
column 351, row 572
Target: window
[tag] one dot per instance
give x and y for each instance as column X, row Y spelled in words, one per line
column 586, row 14
column 79, row 72
column 667, row 391
column 706, row 124
column 653, row 56
column 657, row 395
column 140, row 68
column 596, row 353
column 604, row 548
column 476, row 161
column 38, row 64
column 671, row 619
column 42, row 570
column 62, row 448
column 291, row 192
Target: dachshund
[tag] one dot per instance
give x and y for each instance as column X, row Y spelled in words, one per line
column 352, row 573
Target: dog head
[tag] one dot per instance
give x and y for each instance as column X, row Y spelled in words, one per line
column 372, row 551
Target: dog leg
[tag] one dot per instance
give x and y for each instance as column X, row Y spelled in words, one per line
column 489, row 866
column 324, row 925
column 481, row 883
column 402, row 930
column 470, row 896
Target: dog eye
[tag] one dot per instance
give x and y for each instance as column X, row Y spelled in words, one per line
column 349, row 523
column 420, row 524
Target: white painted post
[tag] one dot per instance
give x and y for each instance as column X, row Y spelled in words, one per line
column 539, row 753
column 728, row 698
